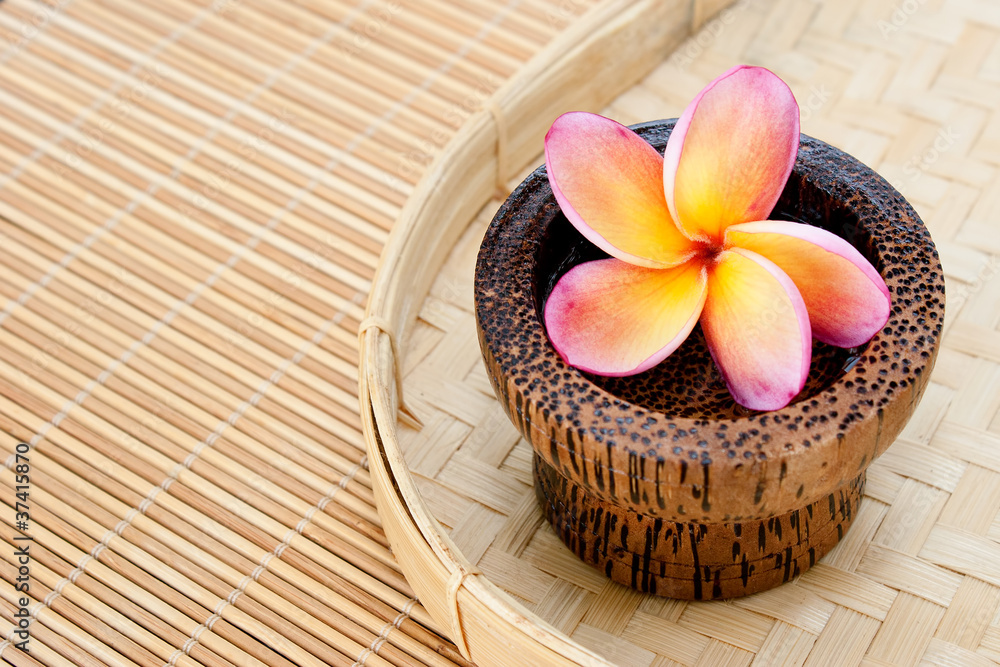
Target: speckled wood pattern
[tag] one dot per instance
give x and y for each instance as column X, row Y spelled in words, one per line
column 670, row 443
column 694, row 561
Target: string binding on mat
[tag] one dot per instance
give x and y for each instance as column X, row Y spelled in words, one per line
column 502, row 153
column 455, row 582
column 406, row 415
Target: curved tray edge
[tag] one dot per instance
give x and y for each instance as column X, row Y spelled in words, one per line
column 581, row 69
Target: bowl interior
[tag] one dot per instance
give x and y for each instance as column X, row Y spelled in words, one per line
column 687, row 383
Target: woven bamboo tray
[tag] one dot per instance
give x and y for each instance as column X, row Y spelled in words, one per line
column 917, row 578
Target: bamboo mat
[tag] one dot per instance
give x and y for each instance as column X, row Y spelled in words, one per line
column 193, row 198
column 912, row 89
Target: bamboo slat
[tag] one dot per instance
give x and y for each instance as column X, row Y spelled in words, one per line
column 910, row 89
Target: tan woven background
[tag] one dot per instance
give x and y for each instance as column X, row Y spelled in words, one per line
column 912, row 89
column 193, row 198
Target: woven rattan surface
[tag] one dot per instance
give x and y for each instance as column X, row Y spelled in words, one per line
column 193, row 198
column 913, row 90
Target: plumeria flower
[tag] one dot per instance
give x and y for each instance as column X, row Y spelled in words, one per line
column 690, row 242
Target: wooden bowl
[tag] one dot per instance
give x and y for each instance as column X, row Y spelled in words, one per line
column 627, row 465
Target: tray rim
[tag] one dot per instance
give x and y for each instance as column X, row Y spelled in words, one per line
column 493, row 146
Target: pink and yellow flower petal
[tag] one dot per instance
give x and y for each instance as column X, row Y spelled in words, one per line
column 730, row 154
column 847, row 299
column 757, row 330
column 609, row 184
column 614, row 318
